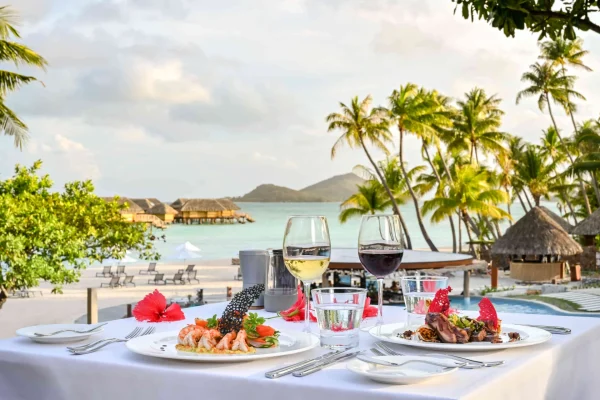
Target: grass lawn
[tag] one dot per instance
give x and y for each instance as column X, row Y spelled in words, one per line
column 565, row 305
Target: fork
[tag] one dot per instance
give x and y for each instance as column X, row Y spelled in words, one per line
column 131, row 335
column 148, row 331
column 471, row 364
column 70, row 330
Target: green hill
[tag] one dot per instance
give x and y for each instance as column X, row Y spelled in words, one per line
column 335, row 189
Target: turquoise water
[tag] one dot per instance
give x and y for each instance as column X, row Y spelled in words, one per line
column 224, row 241
column 512, row 306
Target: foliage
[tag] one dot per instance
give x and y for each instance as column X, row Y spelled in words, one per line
column 17, row 54
column 554, row 19
column 52, row 236
column 487, row 289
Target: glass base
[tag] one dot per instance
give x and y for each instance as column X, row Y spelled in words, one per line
column 414, row 320
column 336, row 342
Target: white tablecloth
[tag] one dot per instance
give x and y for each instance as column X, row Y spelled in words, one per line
column 566, row 367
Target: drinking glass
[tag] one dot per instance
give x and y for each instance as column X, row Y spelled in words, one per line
column 380, row 250
column 339, row 313
column 306, row 252
column 418, row 293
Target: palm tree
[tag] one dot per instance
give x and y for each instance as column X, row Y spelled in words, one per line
column 369, row 199
column 470, row 192
column 415, row 111
column 535, row 173
column 587, row 139
column 476, row 125
column 546, row 82
column 360, row 124
column 17, row 54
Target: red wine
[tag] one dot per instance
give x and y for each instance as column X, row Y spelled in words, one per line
column 380, row 263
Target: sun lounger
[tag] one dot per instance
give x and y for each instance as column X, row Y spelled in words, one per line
column 150, row 271
column 105, row 272
column 158, row 278
column 192, row 277
column 178, row 277
column 113, row 283
column 128, row 281
column 189, row 268
column 121, row 270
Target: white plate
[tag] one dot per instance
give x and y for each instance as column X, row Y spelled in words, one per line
column 151, row 345
column 529, row 337
column 64, row 337
column 404, row 375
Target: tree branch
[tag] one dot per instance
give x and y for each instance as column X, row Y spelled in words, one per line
column 584, row 23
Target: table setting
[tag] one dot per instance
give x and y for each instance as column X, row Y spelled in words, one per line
column 336, row 346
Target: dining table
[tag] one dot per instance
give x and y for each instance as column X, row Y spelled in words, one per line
column 565, row 367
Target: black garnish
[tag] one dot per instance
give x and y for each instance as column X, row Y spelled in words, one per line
column 232, row 317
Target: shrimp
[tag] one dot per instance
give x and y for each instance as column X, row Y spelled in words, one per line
column 190, row 335
column 225, row 343
column 240, row 342
column 209, row 339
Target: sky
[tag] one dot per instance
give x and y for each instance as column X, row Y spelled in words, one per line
column 198, row 98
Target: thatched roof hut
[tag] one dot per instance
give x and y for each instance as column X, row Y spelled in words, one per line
column 146, row 204
column 589, row 226
column 177, row 204
column 558, row 219
column 202, row 205
column 162, row 209
column 536, row 234
column 132, row 207
column 228, row 204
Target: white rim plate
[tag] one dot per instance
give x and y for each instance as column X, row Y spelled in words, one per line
column 404, row 375
column 162, row 345
column 64, row 337
column 530, row 336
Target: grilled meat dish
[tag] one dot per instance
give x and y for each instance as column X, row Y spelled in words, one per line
column 514, row 336
column 447, row 332
column 478, row 336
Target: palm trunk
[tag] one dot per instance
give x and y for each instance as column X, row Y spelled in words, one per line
column 471, row 247
column 568, row 200
column 389, row 192
column 498, row 230
column 508, row 204
column 3, row 296
column 596, row 189
column 439, row 181
column 521, row 201
column 414, row 197
column 581, row 185
column 527, row 198
column 459, row 234
column 476, row 155
column 471, row 155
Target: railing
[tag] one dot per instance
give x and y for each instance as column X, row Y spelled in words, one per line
column 149, row 218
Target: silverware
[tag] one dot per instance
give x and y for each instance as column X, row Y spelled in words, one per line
column 70, row 330
column 133, row 333
column 373, row 360
column 148, row 331
column 557, row 330
column 278, row 373
column 314, row 368
column 470, row 363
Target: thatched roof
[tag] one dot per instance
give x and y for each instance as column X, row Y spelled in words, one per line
column 162, row 209
column 203, row 205
column 536, row 234
column 228, row 204
column 146, row 204
column 589, row 226
column 558, row 219
column 177, row 204
column 132, row 207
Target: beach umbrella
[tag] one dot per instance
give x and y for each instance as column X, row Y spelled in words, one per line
column 185, row 254
column 187, row 246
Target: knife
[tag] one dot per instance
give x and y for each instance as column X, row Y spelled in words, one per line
column 278, row 373
column 314, row 368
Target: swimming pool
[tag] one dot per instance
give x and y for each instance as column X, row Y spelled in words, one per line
column 512, row 306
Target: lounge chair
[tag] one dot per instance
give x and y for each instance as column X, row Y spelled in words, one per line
column 238, row 277
column 114, row 282
column 157, row 279
column 150, row 271
column 190, row 268
column 128, row 281
column 105, row 272
column 192, row 277
column 178, row 277
column 121, row 270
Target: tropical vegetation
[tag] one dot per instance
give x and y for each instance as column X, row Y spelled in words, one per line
column 473, row 171
column 17, row 54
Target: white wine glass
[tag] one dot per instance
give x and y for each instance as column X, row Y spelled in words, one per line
column 380, row 250
column 306, row 253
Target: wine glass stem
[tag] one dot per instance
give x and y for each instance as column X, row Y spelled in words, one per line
column 307, row 307
column 380, row 301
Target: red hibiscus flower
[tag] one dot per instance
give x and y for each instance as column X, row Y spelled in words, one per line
column 296, row 311
column 153, row 308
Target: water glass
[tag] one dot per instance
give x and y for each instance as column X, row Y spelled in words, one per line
column 339, row 314
column 418, row 293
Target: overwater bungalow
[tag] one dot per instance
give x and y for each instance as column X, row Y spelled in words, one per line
column 535, row 245
column 589, row 228
column 177, row 204
column 163, row 211
column 131, row 210
column 146, row 203
column 210, row 211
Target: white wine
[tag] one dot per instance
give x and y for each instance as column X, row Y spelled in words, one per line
column 307, row 268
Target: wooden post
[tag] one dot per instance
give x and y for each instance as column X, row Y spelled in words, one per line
column 494, row 282
column 92, row 306
column 466, row 284
column 129, row 311
column 229, row 293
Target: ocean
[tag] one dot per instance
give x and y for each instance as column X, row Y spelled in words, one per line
column 224, row 241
